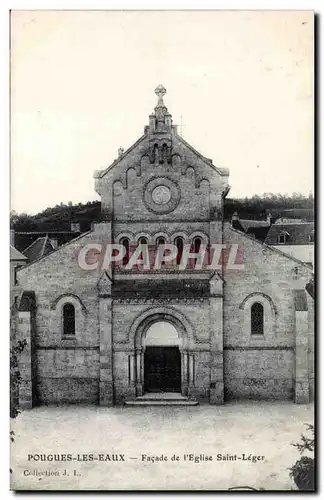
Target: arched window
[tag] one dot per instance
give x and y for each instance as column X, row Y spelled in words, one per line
column 68, row 319
column 311, row 237
column 283, row 237
column 179, row 244
column 257, row 319
column 142, row 241
column 160, row 241
column 156, row 153
column 196, row 244
column 164, row 153
column 125, row 243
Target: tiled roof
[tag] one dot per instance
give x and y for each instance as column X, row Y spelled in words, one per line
column 298, row 233
column 253, row 223
column 256, row 228
column 39, row 248
column 16, row 255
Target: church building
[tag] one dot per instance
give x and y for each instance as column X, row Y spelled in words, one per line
column 199, row 334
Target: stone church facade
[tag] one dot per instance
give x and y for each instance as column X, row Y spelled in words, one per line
column 89, row 331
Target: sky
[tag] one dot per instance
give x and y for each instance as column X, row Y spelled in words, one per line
column 82, row 85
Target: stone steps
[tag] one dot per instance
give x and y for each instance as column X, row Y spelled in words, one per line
column 161, row 399
column 161, row 402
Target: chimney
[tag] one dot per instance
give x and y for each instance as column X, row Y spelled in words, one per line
column 12, row 237
column 235, row 218
column 120, row 151
column 54, row 243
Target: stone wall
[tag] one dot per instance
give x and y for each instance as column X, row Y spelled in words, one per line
column 261, row 367
column 195, row 312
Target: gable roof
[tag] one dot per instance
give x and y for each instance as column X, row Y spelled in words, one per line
column 247, row 224
column 256, row 228
column 39, row 248
column 16, row 255
column 219, row 170
column 101, row 173
column 298, row 233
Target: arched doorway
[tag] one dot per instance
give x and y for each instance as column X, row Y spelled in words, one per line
column 141, row 336
column 162, row 358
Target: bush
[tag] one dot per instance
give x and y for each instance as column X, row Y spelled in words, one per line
column 303, row 471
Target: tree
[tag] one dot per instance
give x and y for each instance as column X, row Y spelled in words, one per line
column 15, row 377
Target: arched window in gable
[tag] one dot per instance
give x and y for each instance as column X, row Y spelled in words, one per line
column 257, row 319
column 160, row 242
column 179, row 244
column 126, row 245
column 196, row 244
column 68, row 313
column 164, row 153
column 142, row 241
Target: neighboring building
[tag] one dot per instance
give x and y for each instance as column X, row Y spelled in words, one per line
column 41, row 247
column 17, row 260
column 257, row 229
column 296, row 238
column 108, row 337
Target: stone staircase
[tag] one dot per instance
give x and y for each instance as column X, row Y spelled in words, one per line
column 162, row 399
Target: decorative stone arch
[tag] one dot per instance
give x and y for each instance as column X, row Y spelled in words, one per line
column 176, row 159
column 203, row 182
column 148, row 236
column 269, row 317
column 118, row 188
column 57, row 314
column 256, row 295
column 154, row 314
column 199, row 234
column 131, row 174
column 68, row 297
column 161, row 234
column 180, row 234
column 145, row 161
column 190, row 172
column 136, row 339
column 125, row 234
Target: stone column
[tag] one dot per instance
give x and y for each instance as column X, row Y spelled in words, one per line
column 216, row 394
column 139, row 372
column 106, row 358
column 301, row 385
column 27, row 358
column 106, row 385
column 184, row 374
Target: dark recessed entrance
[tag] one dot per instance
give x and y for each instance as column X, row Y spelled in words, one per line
column 162, row 369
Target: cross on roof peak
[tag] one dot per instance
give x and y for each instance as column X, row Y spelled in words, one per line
column 160, row 92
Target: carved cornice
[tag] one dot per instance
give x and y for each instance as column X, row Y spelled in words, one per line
column 164, row 300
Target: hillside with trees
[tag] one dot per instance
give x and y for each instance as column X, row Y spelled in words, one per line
column 60, row 217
